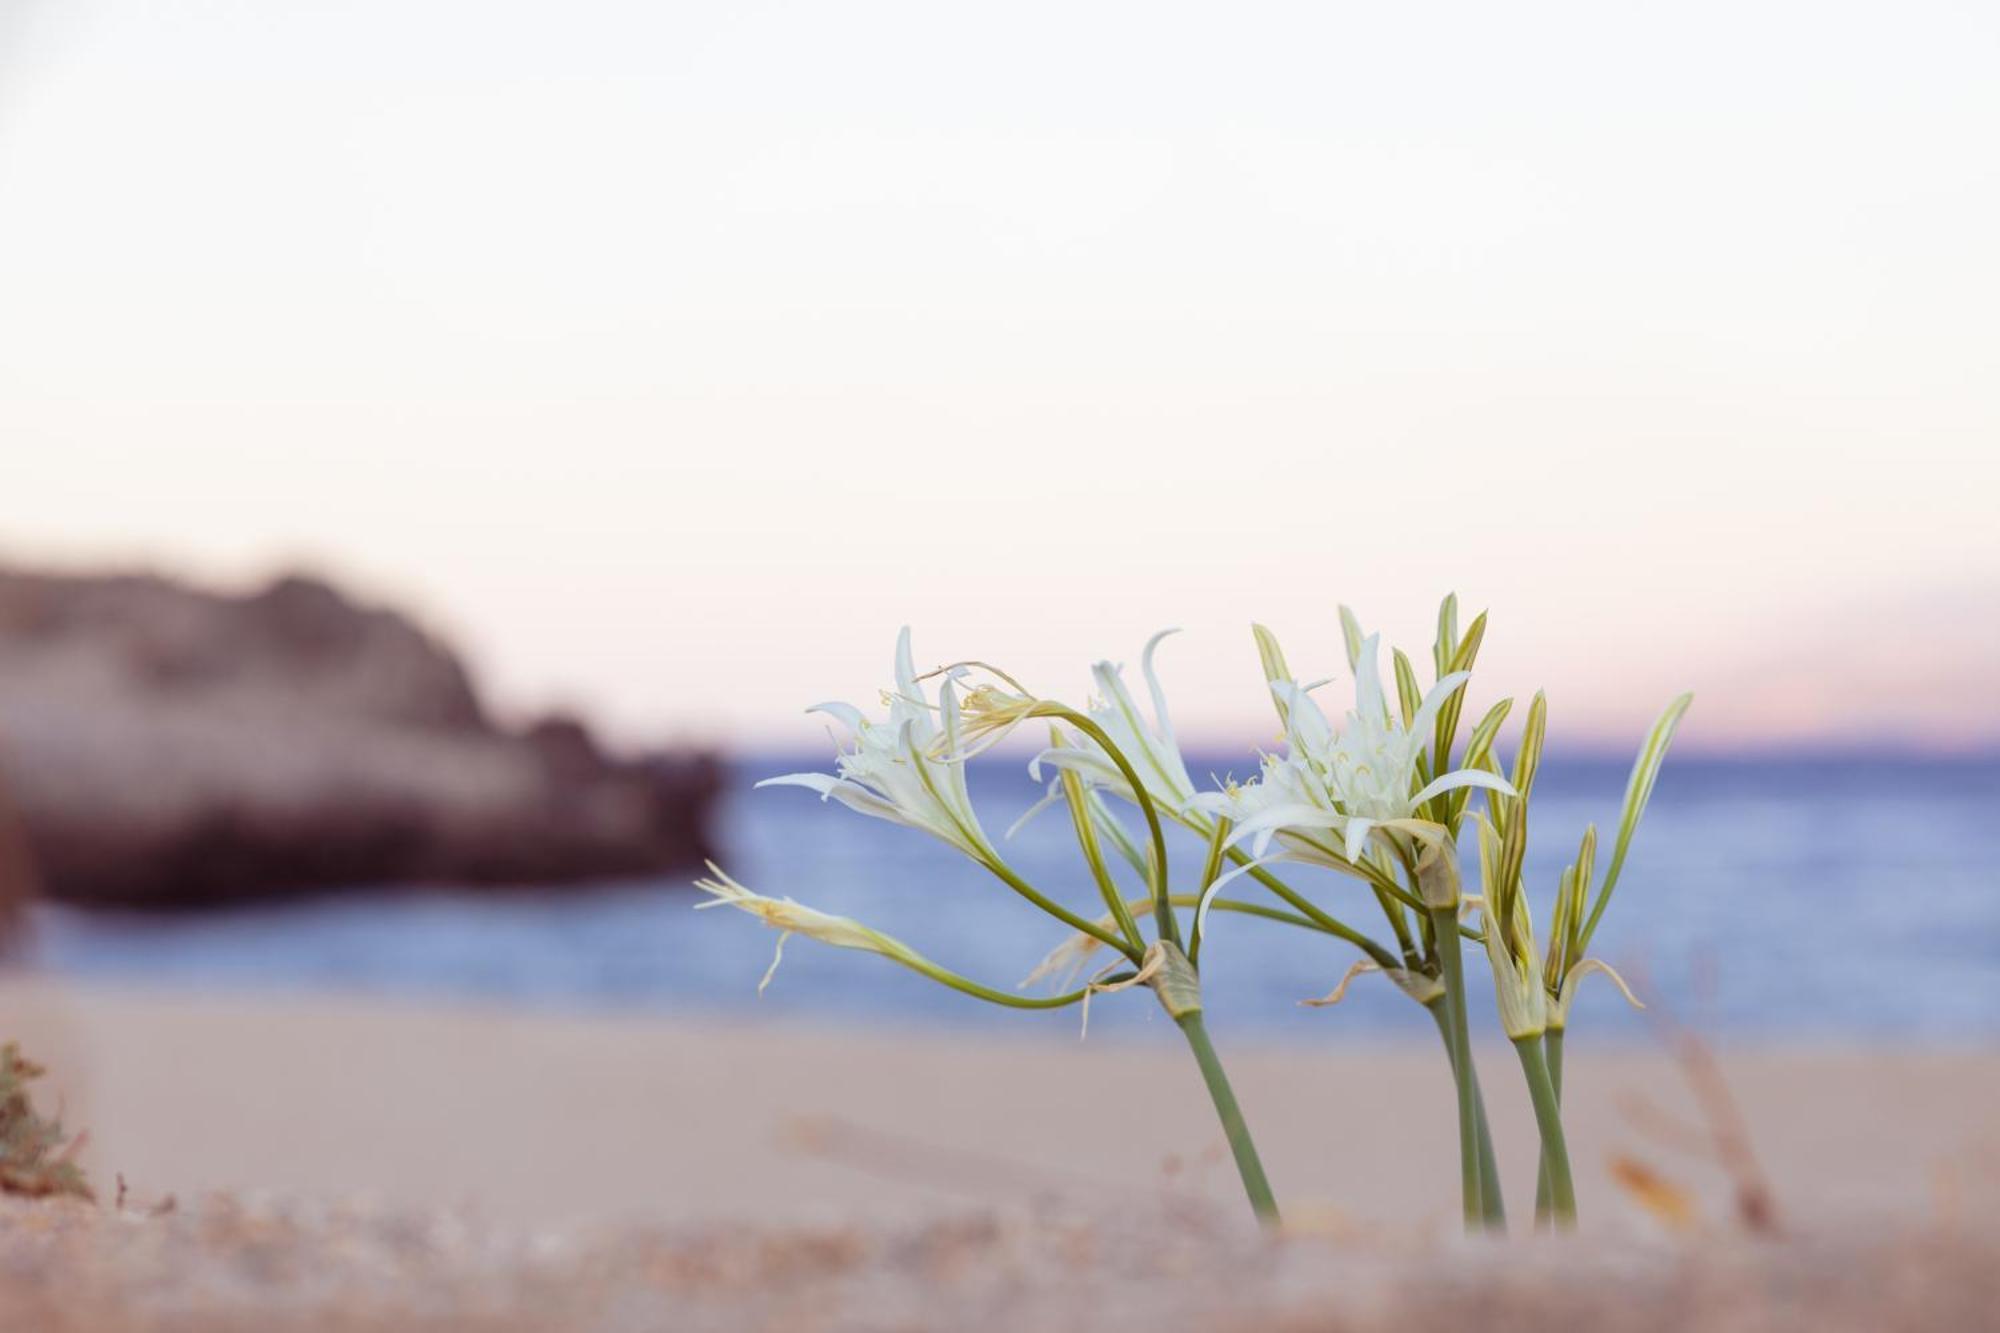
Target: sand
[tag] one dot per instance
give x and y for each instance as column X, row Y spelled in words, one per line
column 381, row 1161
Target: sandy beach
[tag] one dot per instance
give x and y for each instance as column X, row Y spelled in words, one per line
column 423, row 1150
column 537, row 1118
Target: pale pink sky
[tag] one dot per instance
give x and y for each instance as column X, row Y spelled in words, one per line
column 673, row 356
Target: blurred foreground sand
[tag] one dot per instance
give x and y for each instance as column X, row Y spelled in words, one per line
column 367, row 1165
column 534, row 1118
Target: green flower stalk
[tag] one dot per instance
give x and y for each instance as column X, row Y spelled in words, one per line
column 1170, row 971
column 1577, row 911
column 790, row 918
column 910, row 770
column 1372, row 799
column 1380, row 799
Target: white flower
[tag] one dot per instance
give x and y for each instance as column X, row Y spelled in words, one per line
column 1148, row 745
column 1355, row 781
column 908, row 769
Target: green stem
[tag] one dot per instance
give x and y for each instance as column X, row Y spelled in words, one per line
column 1548, row 1119
column 1331, row 925
column 1163, row 913
column 1211, row 870
column 1006, row 875
column 1445, row 921
column 1552, row 1040
column 967, row 986
column 1394, row 912
column 1492, row 1207
column 1233, row 1126
column 1093, row 854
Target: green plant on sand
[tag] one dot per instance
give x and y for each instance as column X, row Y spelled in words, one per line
column 36, row 1158
column 1381, row 798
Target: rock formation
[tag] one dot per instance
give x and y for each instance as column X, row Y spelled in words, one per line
column 166, row 747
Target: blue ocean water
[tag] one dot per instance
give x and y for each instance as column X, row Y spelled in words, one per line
column 1795, row 898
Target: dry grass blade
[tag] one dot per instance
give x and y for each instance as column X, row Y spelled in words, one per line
column 1669, row 1204
column 1722, row 1134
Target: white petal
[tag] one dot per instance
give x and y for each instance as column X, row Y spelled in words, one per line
column 846, row 714
column 1306, row 729
column 1368, row 698
column 906, row 668
column 1266, row 822
column 1054, row 795
column 1427, row 711
column 1160, row 718
column 1356, row 837
column 823, row 783
column 862, row 801
column 1092, row 765
column 1215, row 887
column 1464, row 777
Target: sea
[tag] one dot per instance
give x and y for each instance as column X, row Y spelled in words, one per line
column 1800, row 898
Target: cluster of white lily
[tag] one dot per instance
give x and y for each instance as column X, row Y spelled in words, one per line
column 1381, row 797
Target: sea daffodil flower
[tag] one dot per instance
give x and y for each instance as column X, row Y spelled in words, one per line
column 908, row 769
column 1356, row 781
column 1154, row 752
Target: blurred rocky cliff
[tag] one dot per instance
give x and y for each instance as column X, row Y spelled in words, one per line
column 165, row 747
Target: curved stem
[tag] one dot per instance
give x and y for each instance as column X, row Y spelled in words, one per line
column 1093, row 854
column 1331, row 925
column 1005, row 874
column 1249, row 909
column 967, row 986
column 1211, row 868
column 1248, row 1165
column 1548, row 1119
column 1163, row 913
column 1445, row 920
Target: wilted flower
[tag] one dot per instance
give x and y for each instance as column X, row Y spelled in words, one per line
column 795, row 918
column 1565, row 992
column 1422, row 987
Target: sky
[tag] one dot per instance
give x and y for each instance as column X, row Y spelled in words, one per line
column 668, row 358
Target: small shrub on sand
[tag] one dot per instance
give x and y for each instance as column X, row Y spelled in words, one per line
column 36, row 1157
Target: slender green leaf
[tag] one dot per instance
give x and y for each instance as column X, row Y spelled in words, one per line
column 1273, row 659
column 1514, row 846
column 1638, row 791
column 1461, row 659
column 1447, row 638
column 1121, row 838
column 1586, row 864
column 1350, row 630
column 1084, row 821
column 1408, row 696
column 1554, row 962
column 1478, row 754
column 1211, row 871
